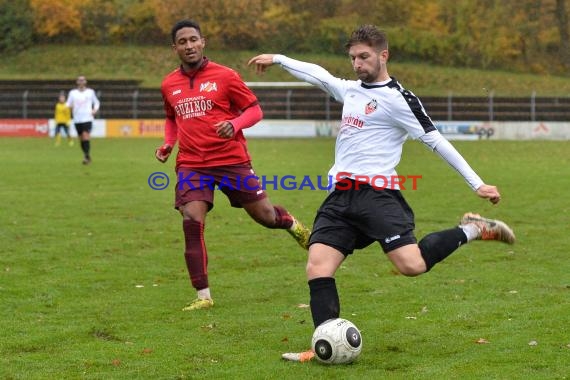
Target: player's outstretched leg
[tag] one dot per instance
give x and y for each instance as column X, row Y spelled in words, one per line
column 277, row 217
column 490, row 229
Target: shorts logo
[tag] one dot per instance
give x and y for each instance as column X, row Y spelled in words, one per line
column 391, row 239
column 208, row 87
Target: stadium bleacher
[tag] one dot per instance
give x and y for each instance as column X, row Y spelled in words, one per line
column 124, row 99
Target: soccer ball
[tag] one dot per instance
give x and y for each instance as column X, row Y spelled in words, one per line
column 337, row 341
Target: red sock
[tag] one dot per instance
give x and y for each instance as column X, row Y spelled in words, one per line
column 283, row 219
column 195, row 253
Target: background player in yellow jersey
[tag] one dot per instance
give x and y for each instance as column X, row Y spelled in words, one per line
column 62, row 116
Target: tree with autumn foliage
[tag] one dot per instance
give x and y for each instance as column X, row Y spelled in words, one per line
column 529, row 35
column 16, row 25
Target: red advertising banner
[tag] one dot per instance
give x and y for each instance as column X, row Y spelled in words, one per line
column 24, row 127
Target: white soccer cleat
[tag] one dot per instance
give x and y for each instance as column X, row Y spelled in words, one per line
column 302, row 357
column 490, row 229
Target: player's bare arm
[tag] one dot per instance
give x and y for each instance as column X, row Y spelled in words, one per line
column 261, row 62
column 489, row 192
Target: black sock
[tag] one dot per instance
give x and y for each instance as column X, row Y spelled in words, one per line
column 324, row 299
column 438, row 245
column 85, row 147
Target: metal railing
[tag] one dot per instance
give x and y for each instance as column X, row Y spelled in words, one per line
column 296, row 101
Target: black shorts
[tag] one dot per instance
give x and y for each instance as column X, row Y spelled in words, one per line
column 83, row 127
column 354, row 219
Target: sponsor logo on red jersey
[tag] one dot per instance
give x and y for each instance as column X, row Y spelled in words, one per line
column 208, row 87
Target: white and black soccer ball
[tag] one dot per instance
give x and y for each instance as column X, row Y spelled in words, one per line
column 337, row 341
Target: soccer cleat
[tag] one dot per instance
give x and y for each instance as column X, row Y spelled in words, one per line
column 199, row 303
column 305, row 356
column 86, row 161
column 300, row 233
column 490, row 229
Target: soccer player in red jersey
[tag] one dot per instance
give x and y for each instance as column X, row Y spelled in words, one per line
column 207, row 105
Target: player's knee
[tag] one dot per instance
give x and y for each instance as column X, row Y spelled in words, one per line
column 189, row 213
column 412, row 268
column 193, row 218
column 315, row 271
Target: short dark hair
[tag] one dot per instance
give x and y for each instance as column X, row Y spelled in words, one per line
column 184, row 24
column 369, row 35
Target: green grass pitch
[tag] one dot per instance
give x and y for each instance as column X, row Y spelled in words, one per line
column 92, row 275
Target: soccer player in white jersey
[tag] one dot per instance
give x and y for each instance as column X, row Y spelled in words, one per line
column 84, row 105
column 378, row 115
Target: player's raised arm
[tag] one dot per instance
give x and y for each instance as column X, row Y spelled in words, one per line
column 447, row 151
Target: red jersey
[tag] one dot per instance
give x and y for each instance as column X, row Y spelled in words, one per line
column 194, row 102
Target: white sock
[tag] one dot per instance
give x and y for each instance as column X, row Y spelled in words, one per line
column 204, row 294
column 471, row 231
column 293, row 225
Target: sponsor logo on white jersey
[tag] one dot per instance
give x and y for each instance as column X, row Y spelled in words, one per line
column 371, row 106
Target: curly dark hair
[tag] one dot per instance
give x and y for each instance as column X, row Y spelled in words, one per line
column 369, row 35
column 184, row 24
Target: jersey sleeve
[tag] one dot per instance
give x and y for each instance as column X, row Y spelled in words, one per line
column 241, row 96
column 168, row 110
column 443, row 147
column 170, row 132
column 315, row 75
column 96, row 103
column 170, row 126
column 409, row 113
column 248, row 118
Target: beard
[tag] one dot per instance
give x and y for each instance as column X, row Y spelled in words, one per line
column 367, row 77
column 371, row 75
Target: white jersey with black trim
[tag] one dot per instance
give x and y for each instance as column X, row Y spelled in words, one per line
column 376, row 120
column 82, row 104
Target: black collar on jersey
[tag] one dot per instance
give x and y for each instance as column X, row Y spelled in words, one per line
column 389, row 84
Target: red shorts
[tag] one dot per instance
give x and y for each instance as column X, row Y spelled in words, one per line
column 238, row 182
